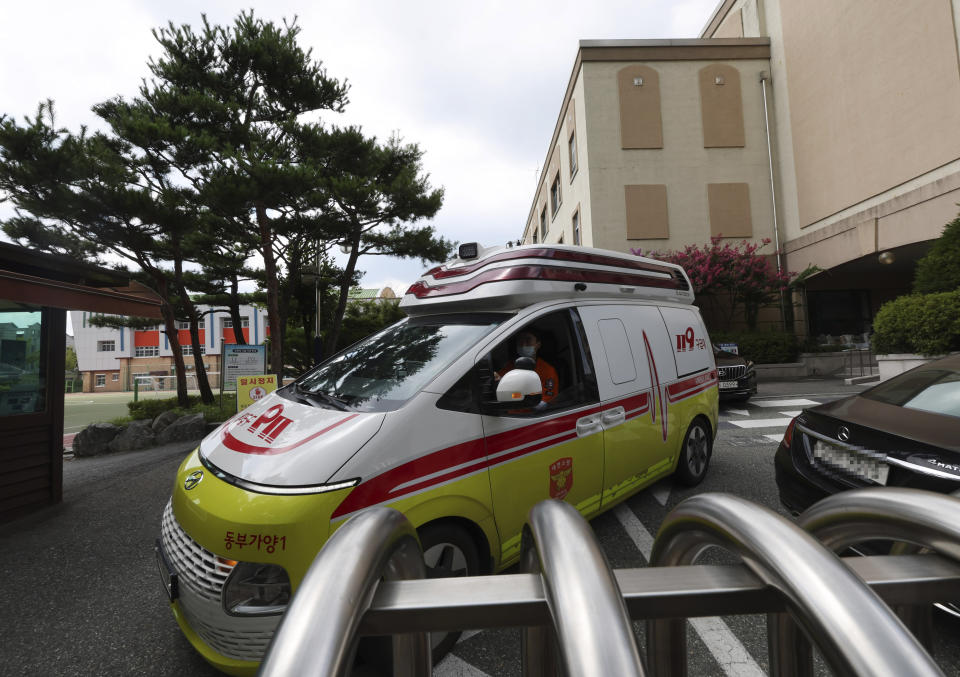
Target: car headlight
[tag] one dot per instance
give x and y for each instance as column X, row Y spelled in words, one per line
column 256, row 590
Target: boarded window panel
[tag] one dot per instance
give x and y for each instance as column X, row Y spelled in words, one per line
column 721, row 107
column 640, row 121
column 647, row 212
column 729, row 209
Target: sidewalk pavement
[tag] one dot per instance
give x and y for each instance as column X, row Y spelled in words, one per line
column 812, row 385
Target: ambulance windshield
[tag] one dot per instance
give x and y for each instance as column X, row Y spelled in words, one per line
column 385, row 370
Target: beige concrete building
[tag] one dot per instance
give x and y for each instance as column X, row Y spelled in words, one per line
column 660, row 144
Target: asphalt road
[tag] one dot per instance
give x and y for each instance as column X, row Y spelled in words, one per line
column 81, row 594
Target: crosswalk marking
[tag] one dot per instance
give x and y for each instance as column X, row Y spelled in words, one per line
column 761, row 422
column 783, row 403
column 774, row 438
column 791, row 414
column 729, row 652
column 451, row 666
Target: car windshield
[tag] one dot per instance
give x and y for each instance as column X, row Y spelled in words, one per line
column 933, row 390
column 385, row 370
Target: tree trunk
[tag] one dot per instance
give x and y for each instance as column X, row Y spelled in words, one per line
column 334, row 334
column 170, row 329
column 203, row 383
column 234, row 308
column 273, row 301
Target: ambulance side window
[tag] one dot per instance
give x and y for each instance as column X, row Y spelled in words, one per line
column 566, row 373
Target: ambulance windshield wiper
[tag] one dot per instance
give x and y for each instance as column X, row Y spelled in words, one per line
column 330, row 400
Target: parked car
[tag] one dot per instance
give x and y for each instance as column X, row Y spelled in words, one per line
column 904, row 432
column 738, row 378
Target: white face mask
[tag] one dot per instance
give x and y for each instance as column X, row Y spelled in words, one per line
column 528, row 351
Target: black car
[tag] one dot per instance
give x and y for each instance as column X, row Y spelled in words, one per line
column 904, row 432
column 738, row 378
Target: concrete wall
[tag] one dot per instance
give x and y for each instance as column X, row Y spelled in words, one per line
column 683, row 165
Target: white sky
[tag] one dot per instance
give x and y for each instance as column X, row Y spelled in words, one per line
column 477, row 85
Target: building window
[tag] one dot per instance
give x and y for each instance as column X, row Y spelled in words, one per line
column 186, row 325
column 101, row 380
column 244, row 323
column 555, row 195
column 115, row 377
column 543, row 224
column 106, row 346
column 534, row 236
column 576, row 227
column 640, row 121
column 146, row 351
column 188, row 350
column 646, row 211
column 721, row 107
column 573, row 154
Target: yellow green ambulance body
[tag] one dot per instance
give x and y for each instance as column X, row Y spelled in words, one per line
column 410, row 418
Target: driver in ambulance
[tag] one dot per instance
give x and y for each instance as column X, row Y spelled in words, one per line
column 528, row 345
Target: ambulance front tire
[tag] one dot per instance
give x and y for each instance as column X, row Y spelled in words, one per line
column 695, row 453
column 448, row 551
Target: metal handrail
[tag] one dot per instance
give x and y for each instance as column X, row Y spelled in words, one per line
column 855, row 631
column 367, row 580
column 593, row 633
column 341, row 582
column 908, row 516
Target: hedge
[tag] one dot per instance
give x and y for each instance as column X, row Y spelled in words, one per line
column 762, row 347
column 928, row 324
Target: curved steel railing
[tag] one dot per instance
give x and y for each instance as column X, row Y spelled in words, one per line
column 374, row 544
column 909, row 516
column 856, row 632
column 594, row 635
column 577, row 611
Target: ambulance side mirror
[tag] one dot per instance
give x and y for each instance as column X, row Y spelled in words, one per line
column 519, row 388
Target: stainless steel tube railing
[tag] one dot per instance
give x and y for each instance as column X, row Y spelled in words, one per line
column 907, row 516
column 593, row 633
column 855, row 631
column 377, row 543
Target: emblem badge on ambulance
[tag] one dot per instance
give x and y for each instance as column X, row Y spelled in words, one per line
column 561, row 477
column 193, row 479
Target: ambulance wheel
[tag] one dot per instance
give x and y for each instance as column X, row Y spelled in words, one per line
column 695, row 453
column 448, row 551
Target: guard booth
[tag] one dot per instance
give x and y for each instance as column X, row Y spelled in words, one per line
column 36, row 290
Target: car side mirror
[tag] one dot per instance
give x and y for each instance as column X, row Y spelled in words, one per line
column 517, row 389
column 518, row 385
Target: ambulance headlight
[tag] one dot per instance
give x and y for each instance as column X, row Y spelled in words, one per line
column 256, row 590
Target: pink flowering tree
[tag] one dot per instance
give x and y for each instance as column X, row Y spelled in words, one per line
column 729, row 276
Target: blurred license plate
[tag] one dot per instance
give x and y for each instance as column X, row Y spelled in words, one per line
column 168, row 577
column 858, row 464
column 728, row 385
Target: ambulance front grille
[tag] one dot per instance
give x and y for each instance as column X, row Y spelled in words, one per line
column 198, row 568
column 244, row 645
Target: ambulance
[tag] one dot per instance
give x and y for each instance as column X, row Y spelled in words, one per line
column 520, row 374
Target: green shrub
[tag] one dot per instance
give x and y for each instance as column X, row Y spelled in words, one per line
column 152, row 408
column 928, row 324
column 762, row 347
column 939, row 270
